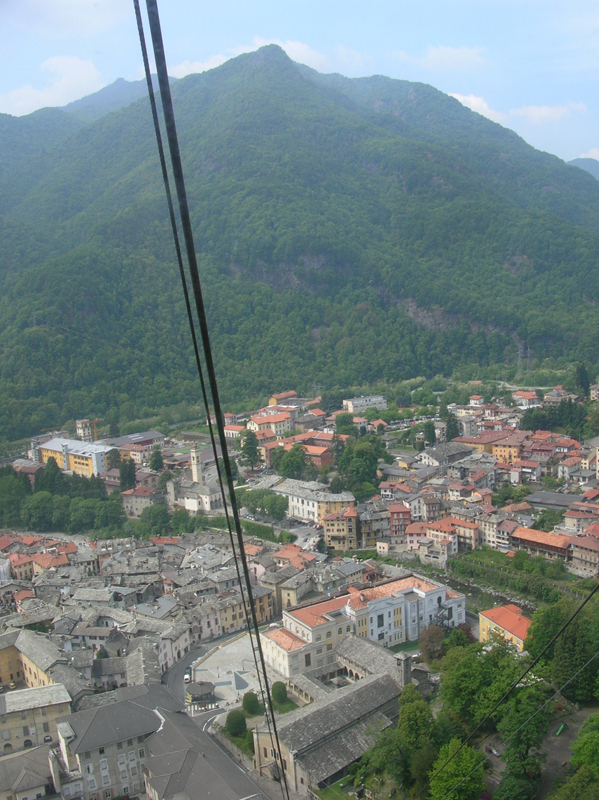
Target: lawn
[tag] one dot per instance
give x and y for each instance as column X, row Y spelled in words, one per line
column 404, row 647
column 242, row 742
column 334, row 792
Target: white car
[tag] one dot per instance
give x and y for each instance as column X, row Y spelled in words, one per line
column 187, row 677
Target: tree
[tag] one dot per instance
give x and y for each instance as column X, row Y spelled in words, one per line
column 293, row 462
column 156, row 460
column 279, row 692
column 276, row 506
column 336, row 486
column 457, row 638
column 251, row 705
column 155, row 520
column 276, row 456
column 344, row 424
column 37, row 511
column 164, row 478
column 443, row 412
column 415, row 724
column 249, row 449
column 583, row 380
column 452, row 429
column 583, row 785
column 462, row 778
column 126, row 475
column 430, row 435
column 181, row 522
column 431, row 642
column 235, row 723
column 113, row 459
column 524, row 741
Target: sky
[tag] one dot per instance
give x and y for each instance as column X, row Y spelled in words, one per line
column 531, row 65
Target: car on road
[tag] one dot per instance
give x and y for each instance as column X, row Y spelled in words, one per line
column 187, row 677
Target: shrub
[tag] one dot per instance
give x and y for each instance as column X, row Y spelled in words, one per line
column 279, row 692
column 235, row 723
column 251, row 705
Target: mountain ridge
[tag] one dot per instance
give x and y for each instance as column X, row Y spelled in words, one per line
column 331, row 236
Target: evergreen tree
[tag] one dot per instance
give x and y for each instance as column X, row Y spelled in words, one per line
column 293, row 462
column 430, row 435
column 113, row 459
column 250, row 449
column 156, row 460
column 582, row 378
column 452, row 430
column 126, row 475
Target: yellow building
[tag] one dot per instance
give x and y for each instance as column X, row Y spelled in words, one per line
column 508, row 622
column 71, row 455
column 341, row 530
column 29, row 716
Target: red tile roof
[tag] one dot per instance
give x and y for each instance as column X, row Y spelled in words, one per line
column 510, row 618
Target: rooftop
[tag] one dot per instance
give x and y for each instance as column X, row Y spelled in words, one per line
column 510, row 618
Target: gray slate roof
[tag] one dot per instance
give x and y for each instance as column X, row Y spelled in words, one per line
column 133, row 715
column 27, row 769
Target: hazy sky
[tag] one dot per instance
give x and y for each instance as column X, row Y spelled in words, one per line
column 531, row 65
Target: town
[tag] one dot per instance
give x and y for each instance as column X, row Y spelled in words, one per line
column 373, row 538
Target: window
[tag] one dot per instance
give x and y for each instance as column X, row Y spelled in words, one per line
column 119, row 745
column 142, row 753
column 348, row 628
column 23, row 715
column 101, row 751
column 106, row 780
column 66, row 791
column 318, row 651
column 91, row 783
column 140, row 739
column 265, row 752
column 329, row 647
column 308, row 659
column 46, row 727
column 132, row 755
column 124, row 775
column 339, row 631
column 25, row 730
column 103, row 764
column 329, row 634
column 43, row 712
column 134, row 770
column 380, row 620
column 89, row 768
column 5, row 734
column 122, row 758
column 129, row 742
column 87, row 755
column 107, row 793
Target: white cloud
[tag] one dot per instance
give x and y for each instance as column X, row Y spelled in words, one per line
column 481, row 106
column 446, row 58
column 193, row 67
column 593, row 153
column 538, row 115
column 75, row 78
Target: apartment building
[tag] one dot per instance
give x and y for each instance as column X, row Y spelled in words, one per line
column 341, row 530
column 82, row 458
column 357, row 405
column 102, row 749
column 507, row 622
column 28, row 716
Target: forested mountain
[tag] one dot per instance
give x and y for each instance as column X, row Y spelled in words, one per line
column 348, row 231
column 117, row 95
column 590, row 165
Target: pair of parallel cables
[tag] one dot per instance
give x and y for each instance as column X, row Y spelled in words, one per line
column 234, row 524
column 225, row 482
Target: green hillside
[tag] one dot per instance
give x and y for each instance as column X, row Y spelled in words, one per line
column 349, row 231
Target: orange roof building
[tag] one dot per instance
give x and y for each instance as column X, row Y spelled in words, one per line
column 506, row 621
column 540, row 543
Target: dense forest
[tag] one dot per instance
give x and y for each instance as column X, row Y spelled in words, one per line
column 350, row 232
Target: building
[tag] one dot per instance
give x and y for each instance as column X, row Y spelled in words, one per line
column 283, row 397
column 442, row 455
column 311, row 501
column 136, row 500
column 26, row 774
column 81, row 458
column 506, row 621
column 539, row 543
column 585, row 555
column 357, row 405
column 278, row 423
column 28, row 716
column 389, row 613
column 21, row 566
column 103, row 750
column 525, row 399
column 341, row 530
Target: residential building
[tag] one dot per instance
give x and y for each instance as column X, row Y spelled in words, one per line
column 311, row 501
column 539, row 543
column 508, row 622
column 21, row 566
column 282, row 397
column 524, row 399
column 26, row 774
column 103, row 750
column 585, row 555
column 140, row 498
column 442, row 455
column 278, row 423
column 28, row 716
column 341, row 530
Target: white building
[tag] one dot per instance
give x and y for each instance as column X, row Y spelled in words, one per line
column 388, row 614
column 356, row 405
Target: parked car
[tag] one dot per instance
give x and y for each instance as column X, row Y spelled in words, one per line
column 47, row 739
column 12, row 685
column 187, row 677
